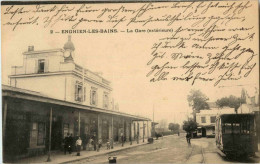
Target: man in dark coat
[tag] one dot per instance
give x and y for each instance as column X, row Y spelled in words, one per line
column 70, row 143
column 188, row 137
column 66, row 143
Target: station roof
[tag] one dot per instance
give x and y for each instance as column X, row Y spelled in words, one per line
column 8, row 91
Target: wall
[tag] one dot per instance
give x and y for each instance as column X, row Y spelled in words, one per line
column 52, row 86
column 59, row 86
column 53, row 60
column 208, row 113
column 100, row 91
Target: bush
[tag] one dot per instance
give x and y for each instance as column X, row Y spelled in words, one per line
column 167, row 133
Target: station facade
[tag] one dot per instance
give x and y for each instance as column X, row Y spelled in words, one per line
column 50, row 96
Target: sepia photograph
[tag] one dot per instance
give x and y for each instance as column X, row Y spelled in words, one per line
column 130, row 82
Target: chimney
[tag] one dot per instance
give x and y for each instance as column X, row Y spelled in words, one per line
column 30, row 48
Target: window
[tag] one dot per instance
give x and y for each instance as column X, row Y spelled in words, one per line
column 78, row 92
column 236, row 128
column 203, row 120
column 93, row 96
column 227, row 128
column 41, row 133
column 106, row 100
column 245, row 126
column 65, row 130
column 41, row 65
column 213, row 119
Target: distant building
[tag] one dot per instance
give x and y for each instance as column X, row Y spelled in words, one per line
column 212, row 105
column 253, row 100
column 251, row 106
column 248, row 108
column 206, row 120
column 252, row 103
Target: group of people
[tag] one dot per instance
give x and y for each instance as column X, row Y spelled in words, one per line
column 95, row 142
column 69, row 141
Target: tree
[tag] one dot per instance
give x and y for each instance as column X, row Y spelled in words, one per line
column 231, row 101
column 197, row 100
column 174, row 127
column 189, row 126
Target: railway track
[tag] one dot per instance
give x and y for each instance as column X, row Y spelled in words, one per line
column 202, row 154
column 191, row 154
column 188, row 157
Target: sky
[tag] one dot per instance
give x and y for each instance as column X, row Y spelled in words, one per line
column 122, row 60
column 125, row 69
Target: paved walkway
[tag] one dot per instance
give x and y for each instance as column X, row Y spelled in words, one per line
column 59, row 157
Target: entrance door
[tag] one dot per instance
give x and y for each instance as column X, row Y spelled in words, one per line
column 56, row 133
column 138, row 132
column 16, row 136
column 105, row 131
column 203, row 132
column 134, row 130
column 115, row 131
column 125, row 131
column 130, row 132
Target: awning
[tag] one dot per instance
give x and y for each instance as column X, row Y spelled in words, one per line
column 8, row 91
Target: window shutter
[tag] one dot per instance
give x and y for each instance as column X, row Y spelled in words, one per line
column 46, row 65
column 96, row 97
column 36, row 66
column 90, row 97
column 104, row 100
column 81, row 94
column 76, row 87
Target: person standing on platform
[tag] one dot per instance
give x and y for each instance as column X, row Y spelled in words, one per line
column 111, row 141
column 70, row 143
column 66, row 143
column 78, row 145
column 122, row 138
column 99, row 144
column 94, row 138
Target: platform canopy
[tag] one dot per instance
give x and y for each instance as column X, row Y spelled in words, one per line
column 8, row 91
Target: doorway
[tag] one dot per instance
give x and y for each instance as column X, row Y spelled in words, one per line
column 203, row 130
column 56, row 135
column 105, row 131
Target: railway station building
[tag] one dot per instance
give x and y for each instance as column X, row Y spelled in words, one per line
column 50, row 96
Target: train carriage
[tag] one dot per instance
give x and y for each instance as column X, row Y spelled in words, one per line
column 236, row 134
